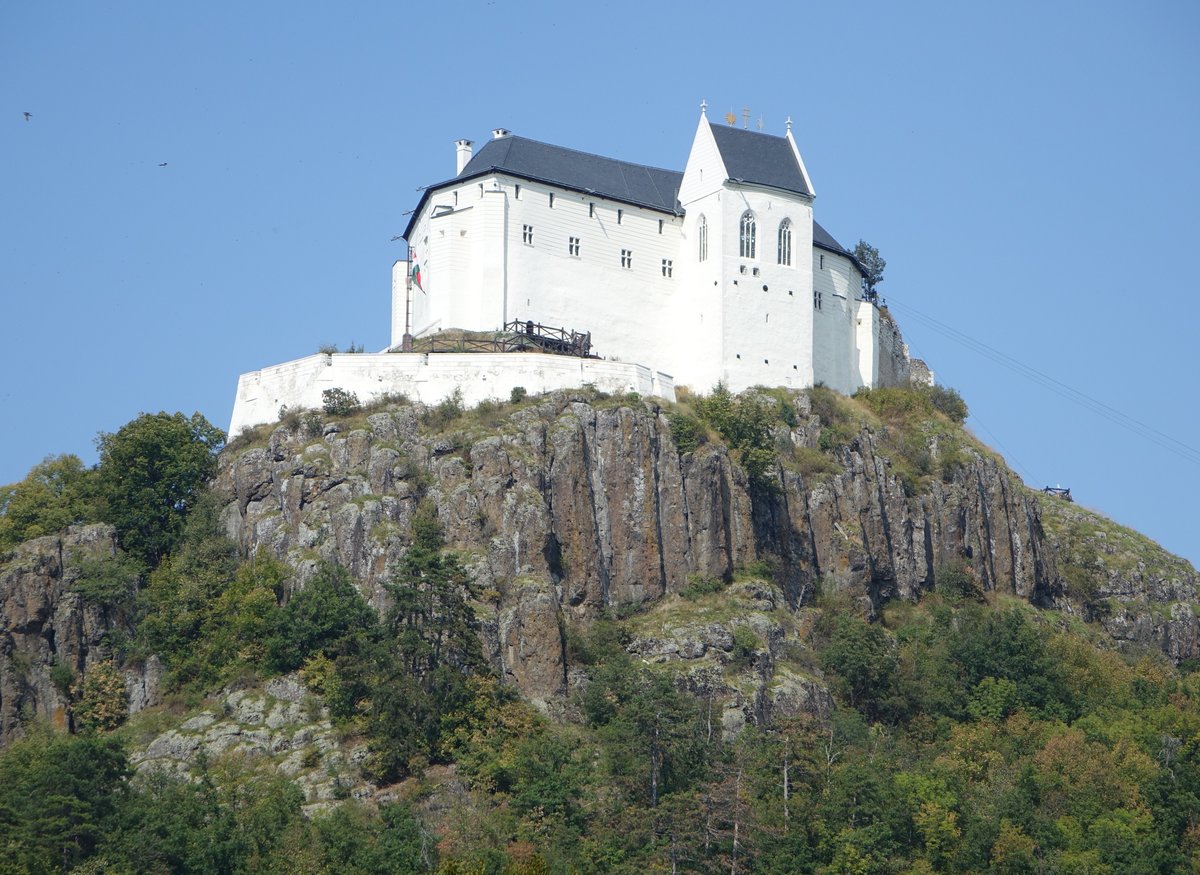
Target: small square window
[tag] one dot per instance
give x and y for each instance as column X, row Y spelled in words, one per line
column 668, row 267
column 573, row 246
column 626, row 258
column 527, row 234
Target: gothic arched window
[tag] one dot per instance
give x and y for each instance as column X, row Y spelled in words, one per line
column 702, row 235
column 746, row 236
column 785, row 242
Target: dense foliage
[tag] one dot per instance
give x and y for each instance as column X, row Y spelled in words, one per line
column 151, row 472
column 968, row 736
column 968, row 732
column 54, row 494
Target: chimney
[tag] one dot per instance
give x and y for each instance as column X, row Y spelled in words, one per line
column 500, row 134
column 462, row 152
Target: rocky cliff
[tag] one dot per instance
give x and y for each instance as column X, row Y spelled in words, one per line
column 49, row 634
column 573, row 505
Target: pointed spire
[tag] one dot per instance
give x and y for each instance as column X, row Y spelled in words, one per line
column 703, row 107
column 789, row 124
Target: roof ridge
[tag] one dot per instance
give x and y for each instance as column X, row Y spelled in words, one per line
column 748, row 131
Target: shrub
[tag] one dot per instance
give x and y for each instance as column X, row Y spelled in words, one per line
column 517, row 395
column 745, row 644
column 954, row 580
column 948, row 402
column 103, row 703
column 747, row 424
column 700, row 584
column 110, row 581
column 339, row 402
column 686, row 431
column 444, row 412
column 63, row 677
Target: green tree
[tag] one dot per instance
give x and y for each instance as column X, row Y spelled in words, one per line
column 863, row 656
column 410, row 680
column 60, row 796
column 872, row 265
column 56, row 493
column 318, row 618
column 179, row 605
column 151, row 473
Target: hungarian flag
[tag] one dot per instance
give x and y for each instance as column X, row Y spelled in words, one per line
column 416, row 275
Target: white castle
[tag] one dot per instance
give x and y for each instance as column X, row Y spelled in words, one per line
column 656, row 278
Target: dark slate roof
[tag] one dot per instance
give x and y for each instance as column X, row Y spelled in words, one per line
column 825, row 240
column 759, row 158
column 748, row 155
column 580, row 171
column 609, row 178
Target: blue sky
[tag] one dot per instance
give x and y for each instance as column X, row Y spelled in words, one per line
column 1028, row 170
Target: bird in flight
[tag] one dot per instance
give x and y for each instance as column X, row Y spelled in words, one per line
column 164, row 164
column 28, row 116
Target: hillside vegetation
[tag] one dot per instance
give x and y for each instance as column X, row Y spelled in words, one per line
column 350, row 681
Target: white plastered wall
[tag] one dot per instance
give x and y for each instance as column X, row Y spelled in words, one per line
column 768, row 318
column 835, row 359
column 697, row 319
column 430, row 378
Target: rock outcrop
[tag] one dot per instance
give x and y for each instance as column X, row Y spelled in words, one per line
column 573, row 506
column 569, row 506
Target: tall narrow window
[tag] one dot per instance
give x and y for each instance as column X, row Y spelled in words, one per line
column 626, row 258
column 517, row 192
column 591, row 211
column 668, row 267
column 527, row 234
column 660, row 226
column 816, row 300
column 822, row 261
column 551, row 200
column 572, row 246
column 785, row 242
column 620, row 214
column 702, row 237
column 748, row 231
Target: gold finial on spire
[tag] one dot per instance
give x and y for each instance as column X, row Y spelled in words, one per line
column 730, row 117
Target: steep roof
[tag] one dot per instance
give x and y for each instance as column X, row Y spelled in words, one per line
column 764, row 159
column 581, row 171
column 634, row 184
column 748, row 155
column 825, row 240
